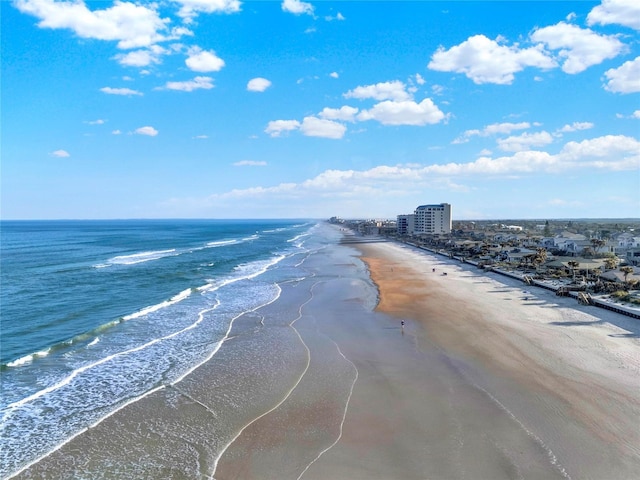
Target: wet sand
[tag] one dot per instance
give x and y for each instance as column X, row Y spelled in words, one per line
column 484, row 381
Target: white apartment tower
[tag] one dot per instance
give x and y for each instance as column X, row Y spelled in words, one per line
column 406, row 224
column 433, row 219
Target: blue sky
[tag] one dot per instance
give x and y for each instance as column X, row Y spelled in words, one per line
column 265, row 109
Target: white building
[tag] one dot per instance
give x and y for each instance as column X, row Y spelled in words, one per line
column 406, row 224
column 433, row 219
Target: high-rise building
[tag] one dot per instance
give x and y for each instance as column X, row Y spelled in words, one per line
column 433, row 219
column 405, row 224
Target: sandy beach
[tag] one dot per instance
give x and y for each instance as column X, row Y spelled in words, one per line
column 487, row 379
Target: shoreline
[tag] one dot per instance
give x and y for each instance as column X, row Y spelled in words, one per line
column 325, row 383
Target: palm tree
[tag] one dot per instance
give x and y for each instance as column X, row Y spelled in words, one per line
column 626, row 270
column 597, row 244
column 541, row 254
column 539, row 257
column 526, row 259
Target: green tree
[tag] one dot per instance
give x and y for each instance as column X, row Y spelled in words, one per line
column 547, row 229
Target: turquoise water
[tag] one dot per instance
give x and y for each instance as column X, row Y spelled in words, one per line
column 97, row 313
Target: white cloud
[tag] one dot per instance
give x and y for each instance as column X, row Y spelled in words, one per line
column 203, row 61
column 190, row 8
column 493, row 129
column 99, row 121
column 624, row 79
column 201, row 137
column 406, row 112
column 609, row 153
column 338, row 16
column 116, row 132
column 141, row 58
column 380, row 91
column 617, row 152
column 276, row 127
column 636, row 114
column 327, row 123
column 178, row 32
column 621, row 12
column 503, row 128
column 297, row 7
column 120, row 91
column 345, row 113
column 525, row 141
column 575, row 126
column 149, row 131
column 486, row 61
column 258, row 84
column 250, row 163
column 129, row 24
column 319, row 127
column 580, row 48
column 419, row 79
column 60, row 154
column 334, row 75
column 437, row 89
column 198, row 83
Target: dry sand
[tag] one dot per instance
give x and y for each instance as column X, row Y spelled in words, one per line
column 588, row 358
column 523, row 331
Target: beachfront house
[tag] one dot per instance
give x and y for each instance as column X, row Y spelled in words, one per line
column 627, row 240
column 633, row 256
column 577, row 247
column 619, row 276
column 569, row 242
column 577, row 266
column 518, row 256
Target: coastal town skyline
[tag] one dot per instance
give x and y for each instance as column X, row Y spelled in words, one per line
column 229, row 109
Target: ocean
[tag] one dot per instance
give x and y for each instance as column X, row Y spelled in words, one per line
column 97, row 314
